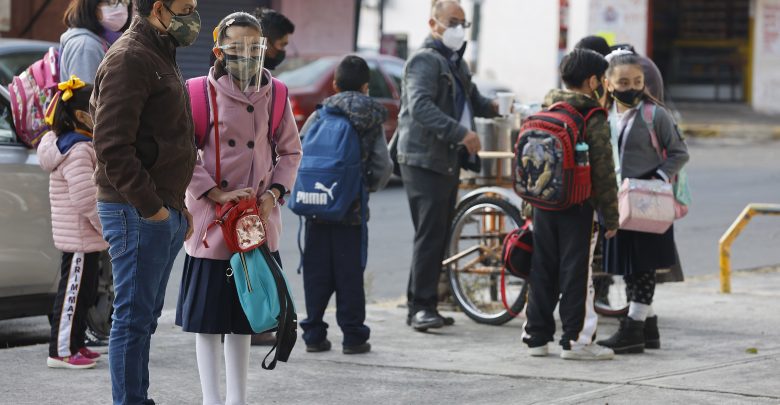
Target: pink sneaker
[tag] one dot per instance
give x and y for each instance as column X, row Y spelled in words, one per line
column 89, row 353
column 76, row 361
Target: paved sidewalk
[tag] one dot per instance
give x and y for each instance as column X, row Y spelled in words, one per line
column 704, row 360
column 727, row 120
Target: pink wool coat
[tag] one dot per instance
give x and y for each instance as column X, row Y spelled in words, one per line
column 245, row 162
column 74, row 220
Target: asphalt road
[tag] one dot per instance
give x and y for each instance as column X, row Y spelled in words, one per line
column 725, row 175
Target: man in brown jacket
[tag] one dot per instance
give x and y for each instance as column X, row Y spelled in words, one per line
column 146, row 154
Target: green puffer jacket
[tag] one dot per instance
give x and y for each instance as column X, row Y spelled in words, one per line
column 602, row 174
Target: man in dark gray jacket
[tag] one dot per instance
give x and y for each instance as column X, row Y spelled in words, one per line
column 438, row 106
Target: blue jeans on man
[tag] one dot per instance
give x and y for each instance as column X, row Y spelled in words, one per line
column 142, row 254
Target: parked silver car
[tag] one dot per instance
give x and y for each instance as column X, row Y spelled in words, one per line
column 28, row 260
column 29, row 263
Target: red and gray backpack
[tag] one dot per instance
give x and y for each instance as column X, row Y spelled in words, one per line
column 517, row 250
column 546, row 173
column 197, row 88
column 31, row 93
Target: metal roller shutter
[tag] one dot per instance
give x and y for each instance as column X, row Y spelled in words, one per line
column 194, row 59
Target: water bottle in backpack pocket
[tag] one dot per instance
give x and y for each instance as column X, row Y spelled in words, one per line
column 330, row 177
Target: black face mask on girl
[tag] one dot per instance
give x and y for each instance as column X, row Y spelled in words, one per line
column 630, row 97
column 598, row 92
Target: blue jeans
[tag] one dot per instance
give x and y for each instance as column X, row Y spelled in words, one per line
column 142, row 254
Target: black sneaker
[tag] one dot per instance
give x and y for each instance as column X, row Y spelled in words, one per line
column 359, row 349
column 323, row 346
column 95, row 344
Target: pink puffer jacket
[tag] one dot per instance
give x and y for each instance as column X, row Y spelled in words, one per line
column 74, row 220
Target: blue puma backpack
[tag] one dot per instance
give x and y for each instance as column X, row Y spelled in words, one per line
column 330, row 176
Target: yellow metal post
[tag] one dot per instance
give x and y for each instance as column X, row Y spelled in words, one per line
column 731, row 234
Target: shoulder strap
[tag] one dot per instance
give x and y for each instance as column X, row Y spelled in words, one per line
column 199, row 104
column 562, row 105
column 215, row 111
column 648, row 115
column 590, row 115
column 279, row 94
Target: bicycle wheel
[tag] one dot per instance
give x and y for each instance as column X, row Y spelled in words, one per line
column 474, row 261
column 610, row 295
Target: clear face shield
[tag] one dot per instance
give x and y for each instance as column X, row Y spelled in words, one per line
column 243, row 60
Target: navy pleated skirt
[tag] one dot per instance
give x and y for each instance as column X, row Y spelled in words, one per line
column 208, row 300
column 631, row 252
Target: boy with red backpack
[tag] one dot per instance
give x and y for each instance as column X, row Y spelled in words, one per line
column 565, row 170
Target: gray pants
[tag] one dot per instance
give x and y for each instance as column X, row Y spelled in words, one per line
column 432, row 197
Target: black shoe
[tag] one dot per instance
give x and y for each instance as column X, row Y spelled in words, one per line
column 426, row 319
column 357, row 349
column 148, row 402
column 630, row 337
column 652, row 336
column 323, row 346
column 448, row 320
column 95, row 343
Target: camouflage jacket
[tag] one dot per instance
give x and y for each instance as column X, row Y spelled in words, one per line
column 604, row 194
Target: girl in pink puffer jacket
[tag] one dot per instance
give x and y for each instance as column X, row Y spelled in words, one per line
column 66, row 152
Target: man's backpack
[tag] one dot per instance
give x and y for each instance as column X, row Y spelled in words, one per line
column 546, row 173
column 330, row 177
column 31, row 92
column 197, row 87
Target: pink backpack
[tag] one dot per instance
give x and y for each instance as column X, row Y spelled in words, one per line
column 31, row 93
column 197, row 87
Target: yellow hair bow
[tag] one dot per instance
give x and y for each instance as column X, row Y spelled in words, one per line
column 67, row 87
column 65, row 93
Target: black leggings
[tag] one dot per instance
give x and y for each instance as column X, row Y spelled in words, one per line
column 640, row 287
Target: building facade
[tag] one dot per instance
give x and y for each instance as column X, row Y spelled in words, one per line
column 322, row 26
column 707, row 50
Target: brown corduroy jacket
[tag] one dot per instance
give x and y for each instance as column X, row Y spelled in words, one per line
column 143, row 134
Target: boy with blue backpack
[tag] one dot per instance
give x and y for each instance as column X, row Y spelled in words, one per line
column 345, row 157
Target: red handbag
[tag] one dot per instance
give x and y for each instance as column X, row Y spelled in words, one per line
column 242, row 225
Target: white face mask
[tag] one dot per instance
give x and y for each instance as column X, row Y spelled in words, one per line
column 454, row 37
column 114, row 17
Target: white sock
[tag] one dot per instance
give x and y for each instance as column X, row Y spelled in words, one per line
column 637, row 311
column 207, row 352
column 236, row 367
column 651, row 312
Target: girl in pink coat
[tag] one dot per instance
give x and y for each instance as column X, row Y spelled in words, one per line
column 208, row 302
column 66, row 152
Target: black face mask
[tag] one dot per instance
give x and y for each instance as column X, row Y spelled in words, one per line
column 271, row 63
column 598, row 92
column 629, row 98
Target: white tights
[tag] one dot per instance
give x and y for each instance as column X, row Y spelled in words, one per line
column 236, row 367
